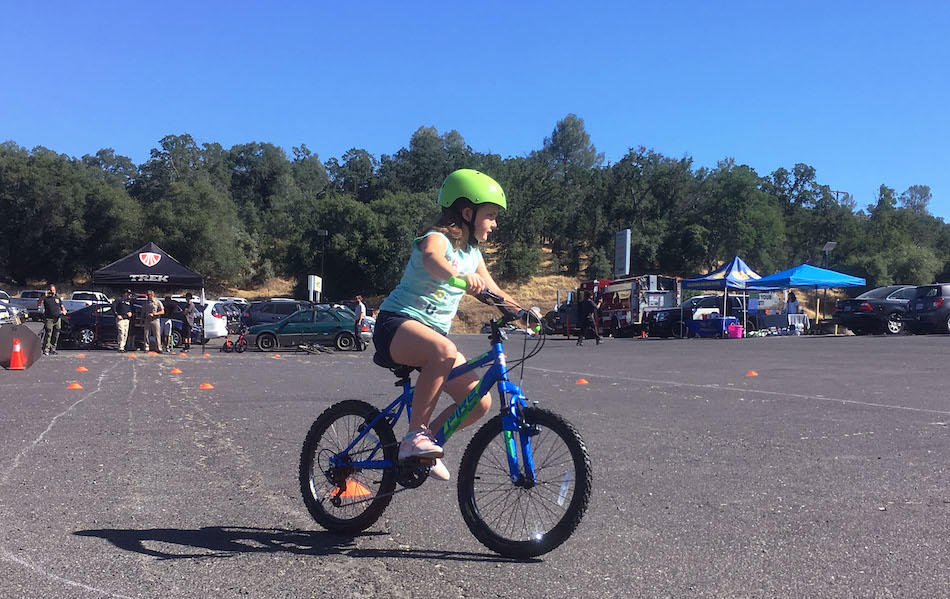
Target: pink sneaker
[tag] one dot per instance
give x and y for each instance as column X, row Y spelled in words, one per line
column 418, row 444
column 438, row 471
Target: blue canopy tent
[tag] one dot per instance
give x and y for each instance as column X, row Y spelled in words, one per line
column 734, row 274
column 807, row 276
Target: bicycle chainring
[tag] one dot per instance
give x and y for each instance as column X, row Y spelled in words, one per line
column 411, row 473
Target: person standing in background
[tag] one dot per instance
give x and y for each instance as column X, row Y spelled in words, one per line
column 791, row 307
column 54, row 310
column 588, row 316
column 360, row 315
column 191, row 312
column 153, row 328
column 123, row 316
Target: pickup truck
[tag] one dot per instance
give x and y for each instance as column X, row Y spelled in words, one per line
column 28, row 302
column 89, row 298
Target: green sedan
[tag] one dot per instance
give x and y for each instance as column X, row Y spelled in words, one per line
column 324, row 326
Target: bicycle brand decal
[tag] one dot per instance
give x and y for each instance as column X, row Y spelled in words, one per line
column 460, row 412
column 510, row 444
column 149, row 258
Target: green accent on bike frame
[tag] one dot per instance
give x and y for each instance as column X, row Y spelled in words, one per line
column 455, row 420
column 463, row 410
column 510, row 444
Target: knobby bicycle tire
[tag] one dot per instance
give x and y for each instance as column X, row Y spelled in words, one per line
column 367, row 493
column 525, row 522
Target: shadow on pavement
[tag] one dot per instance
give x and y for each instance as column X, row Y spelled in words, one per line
column 228, row 541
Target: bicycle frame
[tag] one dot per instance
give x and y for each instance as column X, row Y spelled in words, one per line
column 510, row 399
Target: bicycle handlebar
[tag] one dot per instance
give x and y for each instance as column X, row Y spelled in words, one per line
column 486, row 296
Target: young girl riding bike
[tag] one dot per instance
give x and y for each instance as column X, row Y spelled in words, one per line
column 414, row 320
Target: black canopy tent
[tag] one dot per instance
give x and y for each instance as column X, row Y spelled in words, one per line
column 148, row 267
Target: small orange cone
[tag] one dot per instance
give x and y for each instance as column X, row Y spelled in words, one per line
column 276, row 356
column 752, row 373
column 153, row 353
column 175, row 371
column 16, row 358
column 74, row 386
column 354, row 489
column 643, row 334
column 131, row 355
column 206, row 355
column 183, row 354
column 82, row 369
column 80, row 355
column 206, row 386
column 583, row 382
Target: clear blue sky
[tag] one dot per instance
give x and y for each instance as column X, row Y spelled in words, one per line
column 859, row 90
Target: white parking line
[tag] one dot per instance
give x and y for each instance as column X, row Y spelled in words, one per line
column 742, row 390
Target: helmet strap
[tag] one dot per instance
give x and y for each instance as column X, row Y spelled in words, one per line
column 472, row 241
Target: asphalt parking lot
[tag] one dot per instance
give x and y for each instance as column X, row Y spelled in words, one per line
column 824, row 476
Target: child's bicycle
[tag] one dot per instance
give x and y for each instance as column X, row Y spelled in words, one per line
column 524, row 481
column 239, row 345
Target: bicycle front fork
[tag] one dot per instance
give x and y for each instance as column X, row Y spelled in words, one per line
column 518, row 434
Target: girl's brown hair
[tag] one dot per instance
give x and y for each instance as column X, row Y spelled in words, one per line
column 450, row 223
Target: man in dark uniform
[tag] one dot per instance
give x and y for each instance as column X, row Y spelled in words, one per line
column 588, row 316
column 53, row 310
column 123, row 317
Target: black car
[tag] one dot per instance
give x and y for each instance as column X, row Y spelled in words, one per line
column 879, row 310
column 271, row 311
column 669, row 322
column 929, row 310
column 95, row 325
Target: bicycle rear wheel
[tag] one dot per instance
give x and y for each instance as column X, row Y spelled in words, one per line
column 347, row 499
column 519, row 520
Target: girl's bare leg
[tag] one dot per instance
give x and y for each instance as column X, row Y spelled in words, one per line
column 415, row 344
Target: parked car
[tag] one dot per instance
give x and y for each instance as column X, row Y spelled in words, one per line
column 879, row 310
column 9, row 313
column 96, row 325
column 214, row 321
column 234, row 300
column 669, row 322
column 4, row 296
column 324, row 326
column 929, row 310
column 271, row 310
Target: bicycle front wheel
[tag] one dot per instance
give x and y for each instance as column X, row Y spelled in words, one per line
column 523, row 520
column 342, row 498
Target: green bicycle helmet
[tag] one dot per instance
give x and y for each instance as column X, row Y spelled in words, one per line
column 476, row 187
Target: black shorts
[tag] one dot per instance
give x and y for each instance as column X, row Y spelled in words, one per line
column 383, row 333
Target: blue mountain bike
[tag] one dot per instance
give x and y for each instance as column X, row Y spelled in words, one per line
column 524, row 481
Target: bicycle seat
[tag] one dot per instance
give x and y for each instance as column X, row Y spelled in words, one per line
column 400, row 370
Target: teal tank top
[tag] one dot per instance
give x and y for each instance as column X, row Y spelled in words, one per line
column 421, row 296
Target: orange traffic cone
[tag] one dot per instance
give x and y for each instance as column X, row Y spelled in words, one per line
column 16, row 358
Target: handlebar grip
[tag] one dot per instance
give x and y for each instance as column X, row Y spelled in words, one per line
column 458, row 282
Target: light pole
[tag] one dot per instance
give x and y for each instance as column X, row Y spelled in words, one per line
column 322, row 234
column 824, row 264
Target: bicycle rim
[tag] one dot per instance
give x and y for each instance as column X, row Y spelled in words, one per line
column 525, row 521
column 346, row 499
